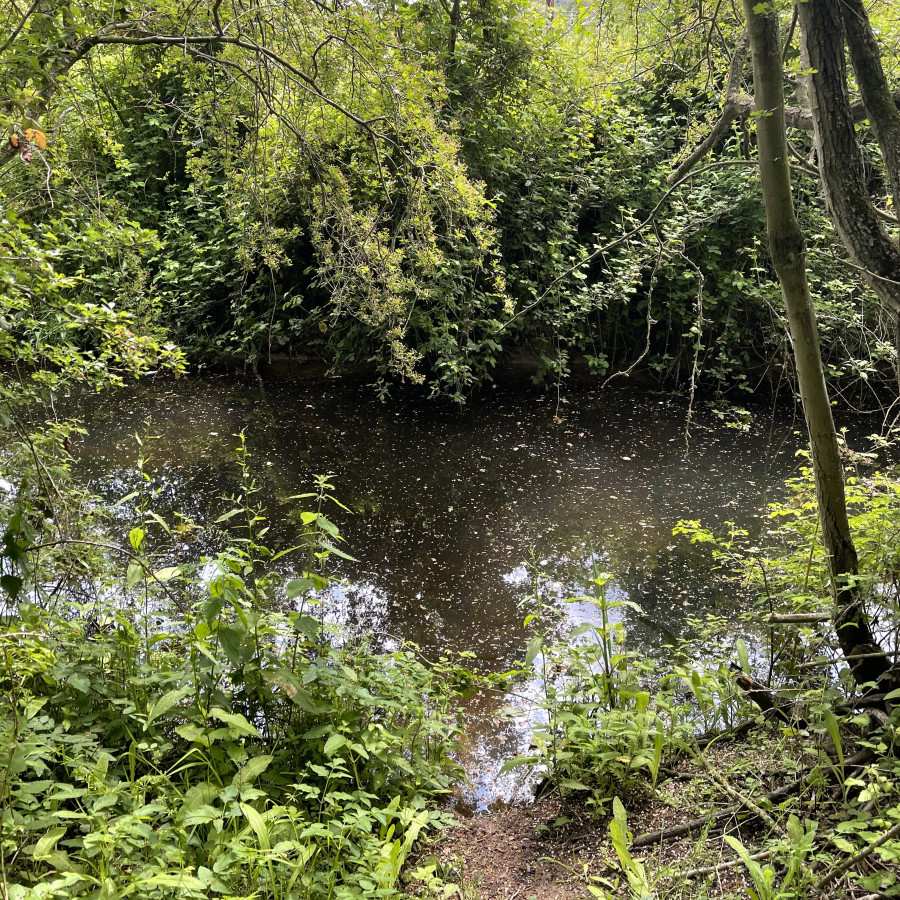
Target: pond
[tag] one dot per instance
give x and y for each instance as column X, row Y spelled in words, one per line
column 451, row 510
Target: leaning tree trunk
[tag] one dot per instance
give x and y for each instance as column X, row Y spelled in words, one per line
column 788, row 252
column 880, row 104
column 884, row 116
column 840, row 159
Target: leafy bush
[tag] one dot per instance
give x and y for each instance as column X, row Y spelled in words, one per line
column 174, row 734
column 603, row 731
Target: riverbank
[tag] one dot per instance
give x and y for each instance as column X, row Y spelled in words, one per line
column 554, row 850
column 451, row 512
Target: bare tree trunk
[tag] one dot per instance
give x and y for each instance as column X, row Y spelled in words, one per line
column 884, row 116
column 454, row 29
column 788, row 251
column 876, row 94
column 840, row 160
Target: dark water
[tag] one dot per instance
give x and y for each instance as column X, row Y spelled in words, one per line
column 449, row 506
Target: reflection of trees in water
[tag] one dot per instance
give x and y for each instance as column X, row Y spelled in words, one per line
column 680, row 587
column 448, row 503
column 358, row 611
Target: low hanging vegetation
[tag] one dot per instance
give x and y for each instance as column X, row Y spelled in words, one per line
column 417, row 194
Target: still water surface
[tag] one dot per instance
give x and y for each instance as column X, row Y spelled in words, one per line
column 449, row 506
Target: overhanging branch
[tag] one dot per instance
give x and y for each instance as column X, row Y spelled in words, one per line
column 147, row 39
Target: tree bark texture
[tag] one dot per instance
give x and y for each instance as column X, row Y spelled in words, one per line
column 454, row 29
column 884, row 116
column 788, row 251
column 840, row 159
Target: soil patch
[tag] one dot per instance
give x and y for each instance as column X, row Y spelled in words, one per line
column 547, row 851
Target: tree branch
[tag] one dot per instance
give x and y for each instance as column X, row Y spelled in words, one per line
column 19, row 27
column 731, row 109
column 847, row 864
column 145, row 39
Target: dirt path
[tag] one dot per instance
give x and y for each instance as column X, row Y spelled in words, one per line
column 507, row 855
column 524, row 853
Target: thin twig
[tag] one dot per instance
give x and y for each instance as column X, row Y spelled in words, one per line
column 847, row 864
column 721, row 867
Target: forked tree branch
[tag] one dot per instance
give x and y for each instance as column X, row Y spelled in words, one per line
column 731, row 110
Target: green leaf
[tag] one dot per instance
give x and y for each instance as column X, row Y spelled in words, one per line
column 334, row 743
column 136, row 539
column 290, row 684
column 743, row 655
column 297, row 587
column 327, row 525
column 517, row 761
column 167, row 573
column 231, row 640
column 251, row 771
column 316, row 732
column 167, row 879
column 192, row 732
column 80, row 683
column 11, row 585
column 619, row 817
column 235, row 721
column 574, row 785
column 133, row 574
column 309, row 626
column 581, row 629
column 167, row 701
column 332, row 549
column 47, row 842
column 159, row 521
column 834, row 730
column 201, row 794
column 257, row 823
column 658, row 742
column 534, row 647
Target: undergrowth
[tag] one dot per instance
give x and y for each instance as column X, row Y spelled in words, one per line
column 171, row 733
column 616, row 724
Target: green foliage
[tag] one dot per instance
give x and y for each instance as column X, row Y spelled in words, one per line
column 638, row 884
column 178, row 735
column 785, row 567
column 388, row 189
column 793, row 849
column 605, row 731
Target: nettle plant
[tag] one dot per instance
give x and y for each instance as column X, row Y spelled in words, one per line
column 607, row 717
column 175, row 735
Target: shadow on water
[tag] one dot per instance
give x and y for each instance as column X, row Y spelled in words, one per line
column 449, row 505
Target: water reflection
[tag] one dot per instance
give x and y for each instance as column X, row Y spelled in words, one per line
column 448, row 506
